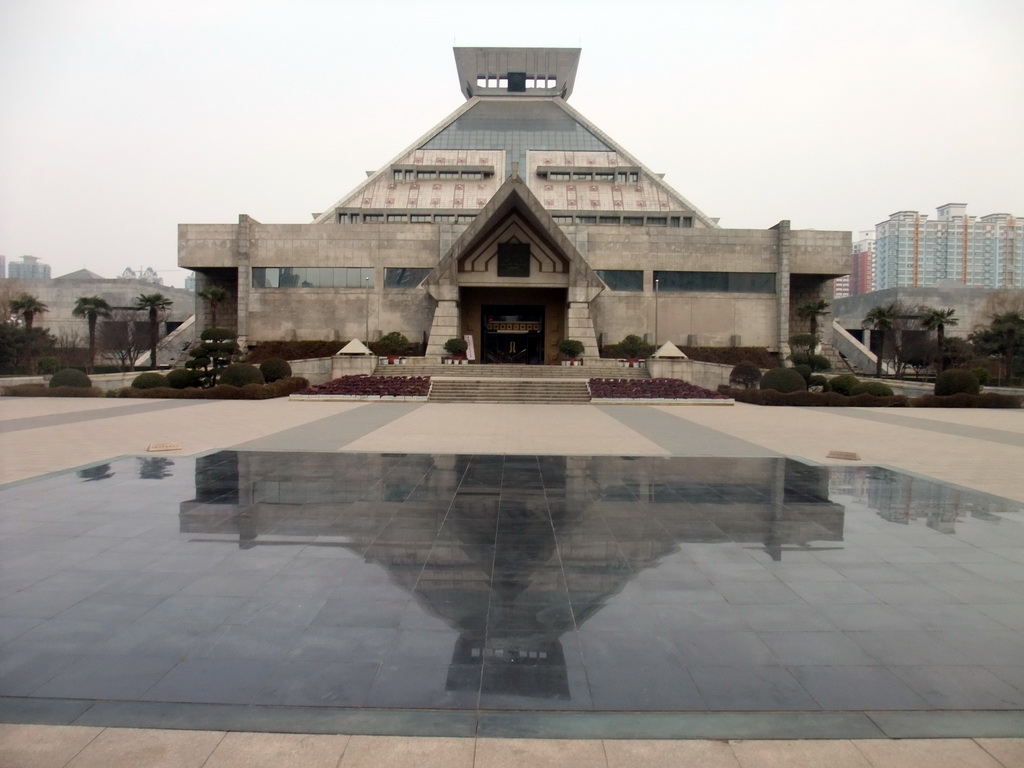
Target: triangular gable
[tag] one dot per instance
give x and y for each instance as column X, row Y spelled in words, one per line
column 514, row 200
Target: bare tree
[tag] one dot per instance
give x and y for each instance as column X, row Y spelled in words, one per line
column 124, row 338
column 69, row 348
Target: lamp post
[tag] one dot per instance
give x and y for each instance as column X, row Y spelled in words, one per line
column 367, row 336
column 656, row 312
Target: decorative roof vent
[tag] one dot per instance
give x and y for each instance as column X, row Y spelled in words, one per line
column 517, row 71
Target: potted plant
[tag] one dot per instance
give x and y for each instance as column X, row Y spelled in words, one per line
column 634, row 348
column 456, row 347
column 571, row 350
column 393, row 346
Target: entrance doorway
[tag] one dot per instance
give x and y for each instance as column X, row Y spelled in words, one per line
column 512, row 334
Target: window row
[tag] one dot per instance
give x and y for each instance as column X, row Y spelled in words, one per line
column 618, row 177
column 715, row 282
column 312, row 277
column 450, row 218
column 417, row 174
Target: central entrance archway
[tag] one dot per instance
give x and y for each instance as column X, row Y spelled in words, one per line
column 512, row 334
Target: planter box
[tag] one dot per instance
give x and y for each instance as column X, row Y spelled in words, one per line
column 392, row 360
column 632, row 363
column 572, row 363
column 455, row 361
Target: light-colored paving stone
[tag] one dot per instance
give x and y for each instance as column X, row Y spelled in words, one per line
column 1009, row 752
column 497, row 428
column 117, row 747
column 272, row 750
column 669, row 754
column 806, row 754
column 411, row 752
column 539, row 753
column 42, row 746
column 934, row 753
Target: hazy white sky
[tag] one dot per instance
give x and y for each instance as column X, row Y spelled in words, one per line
column 118, row 120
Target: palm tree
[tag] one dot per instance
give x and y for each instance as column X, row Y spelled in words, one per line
column 154, row 303
column 215, row 296
column 91, row 308
column 812, row 310
column 882, row 319
column 937, row 320
column 1008, row 328
column 28, row 306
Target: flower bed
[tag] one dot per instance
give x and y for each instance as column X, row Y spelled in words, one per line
column 362, row 385
column 648, row 389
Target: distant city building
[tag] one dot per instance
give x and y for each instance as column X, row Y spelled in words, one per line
column 3, row 266
column 148, row 275
column 986, row 251
column 29, row 268
column 862, row 267
column 190, row 283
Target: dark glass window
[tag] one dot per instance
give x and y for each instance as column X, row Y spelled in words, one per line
column 312, row 277
column 622, row 279
column 513, row 260
column 716, row 282
column 404, row 277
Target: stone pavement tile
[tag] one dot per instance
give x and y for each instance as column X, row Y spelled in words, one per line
column 130, row 747
column 277, row 750
column 42, row 746
column 405, row 752
column 806, row 754
column 669, row 754
column 933, row 753
column 539, row 753
column 1009, row 752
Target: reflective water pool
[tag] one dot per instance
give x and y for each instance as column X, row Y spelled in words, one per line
column 510, row 583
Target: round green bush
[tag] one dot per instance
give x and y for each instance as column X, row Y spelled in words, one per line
column 783, row 380
column 275, row 368
column 149, row 380
column 391, row 344
column 240, row 374
column 817, row 380
column 955, row 381
column 745, row 374
column 456, row 347
column 843, row 384
column 984, row 377
column 70, row 377
column 876, row 388
column 803, row 370
column 179, row 378
column 571, row 348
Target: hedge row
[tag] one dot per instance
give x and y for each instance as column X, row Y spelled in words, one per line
column 865, row 400
column 280, row 388
column 42, row 390
column 292, row 350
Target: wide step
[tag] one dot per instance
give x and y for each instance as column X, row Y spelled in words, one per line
column 466, row 390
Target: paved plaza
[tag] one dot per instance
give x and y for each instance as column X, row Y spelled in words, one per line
column 889, row 633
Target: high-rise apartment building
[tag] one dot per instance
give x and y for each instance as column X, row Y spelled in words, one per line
column 29, row 268
column 913, row 250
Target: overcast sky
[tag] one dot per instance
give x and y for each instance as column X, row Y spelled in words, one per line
column 118, row 120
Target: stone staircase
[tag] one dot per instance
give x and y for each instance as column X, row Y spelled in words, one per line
column 564, row 385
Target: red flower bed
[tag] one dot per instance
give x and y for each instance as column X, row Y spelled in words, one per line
column 641, row 389
column 373, row 386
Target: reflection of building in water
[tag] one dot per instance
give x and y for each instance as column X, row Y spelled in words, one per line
column 902, row 499
column 511, row 552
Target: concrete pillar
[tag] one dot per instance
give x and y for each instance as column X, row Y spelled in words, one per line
column 579, row 325
column 244, row 279
column 444, row 326
column 782, row 287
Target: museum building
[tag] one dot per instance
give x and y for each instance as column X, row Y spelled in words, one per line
column 518, row 222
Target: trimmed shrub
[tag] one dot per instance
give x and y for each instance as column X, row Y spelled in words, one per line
column 70, row 377
column 955, row 382
column 745, row 374
column 984, row 377
column 240, row 374
column 803, row 370
column 843, row 384
column 179, row 378
column 41, row 390
column 570, row 348
column 876, row 388
column 275, row 368
column 292, row 350
column 149, row 380
column 817, row 381
column 812, row 399
column 635, row 348
column 816, row 362
column 218, row 334
column 783, row 380
column 456, row 347
column 47, row 366
column 391, row 344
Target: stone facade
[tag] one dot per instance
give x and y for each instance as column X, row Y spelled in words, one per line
column 518, row 223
